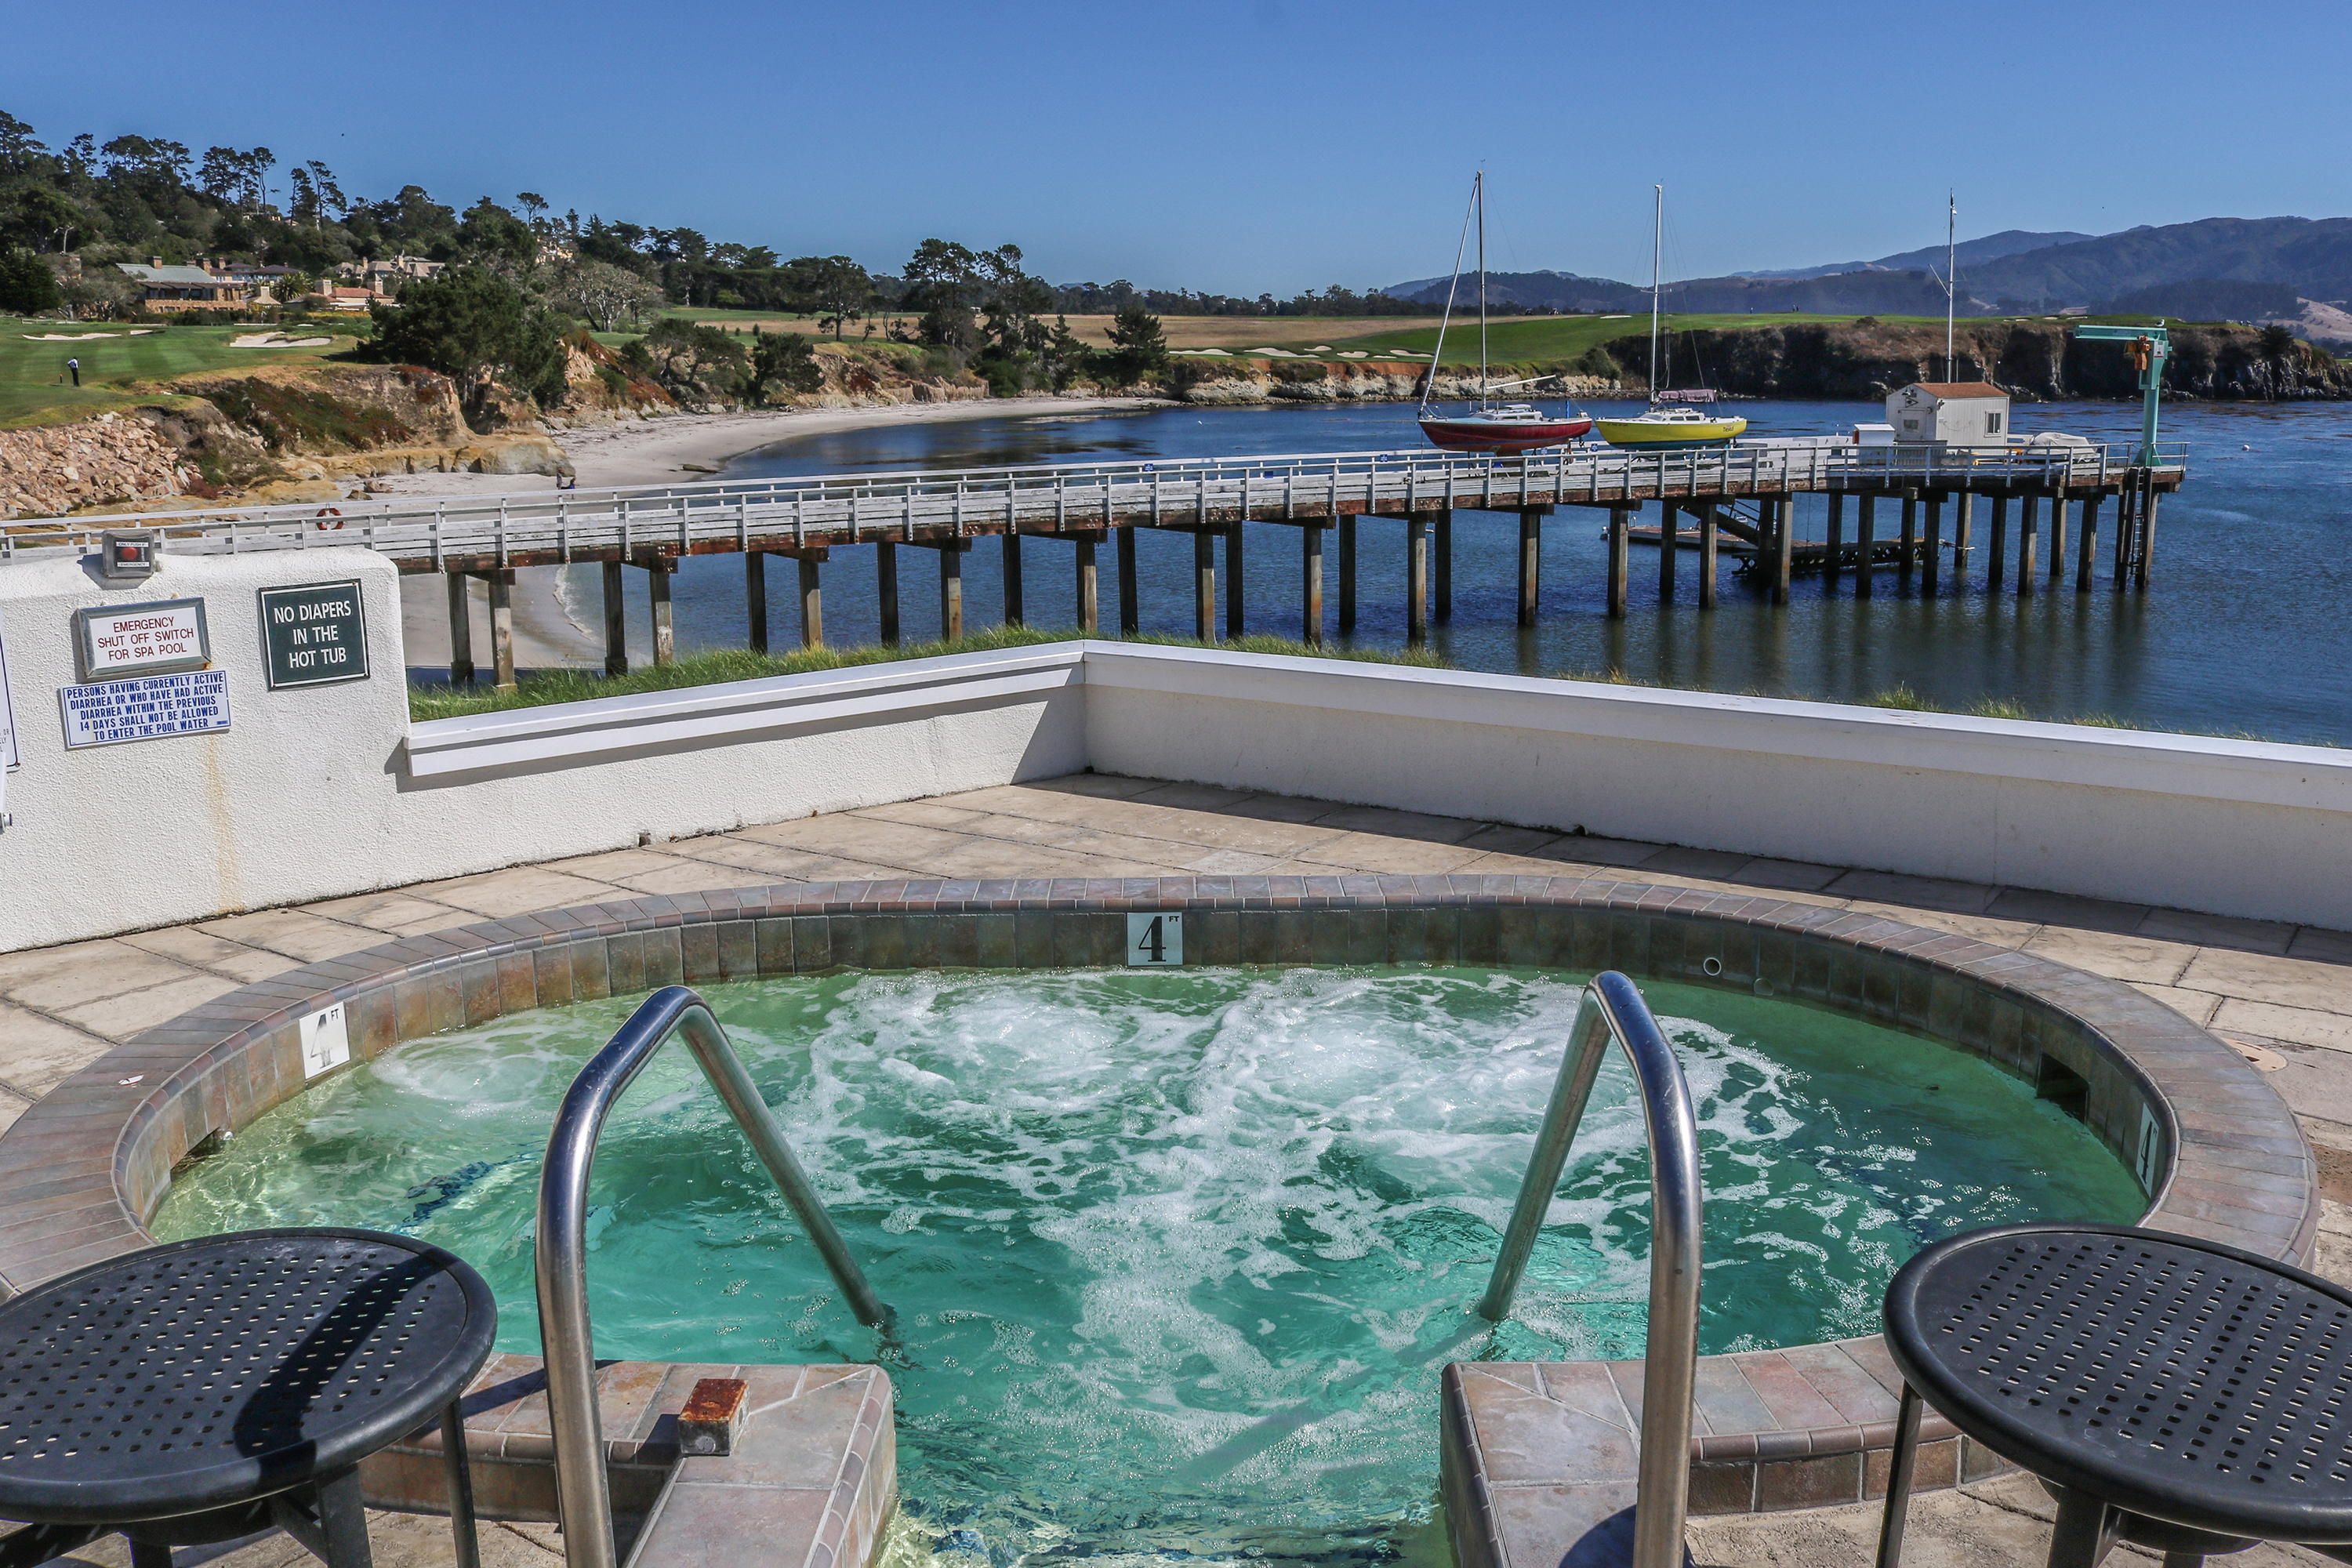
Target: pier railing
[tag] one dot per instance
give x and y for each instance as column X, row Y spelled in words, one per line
column 546, row 527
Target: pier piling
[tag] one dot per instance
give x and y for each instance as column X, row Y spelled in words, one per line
column 461, row 632
column 1910, row 536
column 502, row 655
column 1346, row 573
column 1204, row 585
column 812, row 601
column 1130, row 615
column 1416, row 578
column 950, row 553
column 2029, row 525
column 2086, row 549
column 2146, row 533
column 1706, row 550
column 1530, row 564
column 1963, row 526
column 755, row 599
column 1310, row 565
column 1234, row 598
column 885, row 589
column 659, row 570
column 1085, row 588
column 1620, row 523
column 2058, row 538
column 1830, row 561
column 1014, row 611
column 1669, row 546
column 616, row 634
column 1996, row 557
column 1441, row 544
column 1931, row 566
column 1784, row 542
column 1865, row 539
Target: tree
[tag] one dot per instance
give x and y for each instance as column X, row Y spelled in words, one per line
column 611, row 297
column 2278, row 340
column 102, row 294
column 1136, row 343
column 497, row 239
column 833, row 288
column 943, row 285
column 782, row 362
column 27, row 287
column 471, row 325
column 43, row 220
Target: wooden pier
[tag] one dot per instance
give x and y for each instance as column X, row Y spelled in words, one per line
column 1909, row 508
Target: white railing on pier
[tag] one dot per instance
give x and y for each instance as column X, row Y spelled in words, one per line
column 423, row 531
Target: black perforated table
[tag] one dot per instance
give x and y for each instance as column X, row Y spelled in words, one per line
column 2171, row 1392
column 205, row 1390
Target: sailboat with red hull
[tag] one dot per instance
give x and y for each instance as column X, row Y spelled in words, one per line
column 1504, row 429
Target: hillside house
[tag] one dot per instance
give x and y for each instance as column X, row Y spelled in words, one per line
column 1949, row 413
column 165, row 288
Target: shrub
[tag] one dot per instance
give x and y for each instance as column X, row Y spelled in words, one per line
column 27, row 287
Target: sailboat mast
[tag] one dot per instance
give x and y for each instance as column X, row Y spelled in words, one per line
column 1951, row 278
column 1429, row 387
column 1657, row 243
column 1478, row 186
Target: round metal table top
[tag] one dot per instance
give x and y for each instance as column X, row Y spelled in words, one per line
column 215, row 1371
column 2176, row 1378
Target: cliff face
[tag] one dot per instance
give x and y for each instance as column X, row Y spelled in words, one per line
column 2035, row 360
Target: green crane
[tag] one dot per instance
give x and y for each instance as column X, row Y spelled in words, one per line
column 2150, row 347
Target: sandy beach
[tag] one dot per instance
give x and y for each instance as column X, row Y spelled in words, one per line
column 644, row 452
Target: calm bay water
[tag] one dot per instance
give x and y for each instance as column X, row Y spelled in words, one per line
column 2243, row 629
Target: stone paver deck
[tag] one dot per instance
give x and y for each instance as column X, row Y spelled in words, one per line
column 2281, row 992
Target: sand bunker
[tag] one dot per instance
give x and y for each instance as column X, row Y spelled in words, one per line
column 67, row 337
column 274, row 341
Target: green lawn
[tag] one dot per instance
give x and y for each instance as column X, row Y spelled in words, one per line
column 1519, row 339
column 36, row 390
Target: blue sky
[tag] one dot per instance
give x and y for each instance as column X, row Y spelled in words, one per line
column 1251, row 145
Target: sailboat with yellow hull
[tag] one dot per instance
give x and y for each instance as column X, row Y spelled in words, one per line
column 1673, row 420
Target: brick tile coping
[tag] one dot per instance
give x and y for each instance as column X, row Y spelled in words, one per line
column 82, row 1169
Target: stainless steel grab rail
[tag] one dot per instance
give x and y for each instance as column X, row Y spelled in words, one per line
column 1613, row 1008
column 560, row 1246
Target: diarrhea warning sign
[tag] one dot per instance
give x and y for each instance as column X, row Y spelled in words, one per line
column 145, row 708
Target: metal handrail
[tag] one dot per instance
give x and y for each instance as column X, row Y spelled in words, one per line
column 1613, row 1008
column 561, row 1248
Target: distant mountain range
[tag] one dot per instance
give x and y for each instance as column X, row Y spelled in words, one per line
column 2290, row 270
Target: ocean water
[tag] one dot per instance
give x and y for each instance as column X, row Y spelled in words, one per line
column 1177, row 1258
column 2240, row 632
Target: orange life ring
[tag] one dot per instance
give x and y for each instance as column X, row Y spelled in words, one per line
column 329, row 512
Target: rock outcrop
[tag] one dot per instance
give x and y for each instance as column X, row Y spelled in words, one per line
column 106, row 460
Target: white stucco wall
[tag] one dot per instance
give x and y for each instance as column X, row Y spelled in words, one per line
column 2225, row 827
column 329, row 791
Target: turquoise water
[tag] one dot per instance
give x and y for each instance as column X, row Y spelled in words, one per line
column 1176, row 1256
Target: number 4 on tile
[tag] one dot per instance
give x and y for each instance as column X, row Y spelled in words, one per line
column 325, row 1041
column 1155, row 940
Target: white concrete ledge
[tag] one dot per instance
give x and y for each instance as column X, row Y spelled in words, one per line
column 610, row 727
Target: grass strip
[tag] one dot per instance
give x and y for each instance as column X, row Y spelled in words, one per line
column 724, row 665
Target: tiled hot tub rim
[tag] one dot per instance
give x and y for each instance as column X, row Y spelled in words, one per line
column 83, row 1168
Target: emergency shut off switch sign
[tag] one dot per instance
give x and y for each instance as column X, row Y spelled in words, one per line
column 144, row 675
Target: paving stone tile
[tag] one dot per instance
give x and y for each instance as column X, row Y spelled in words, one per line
column 1501, row 839
column 1391, row 824
column 120, row 1017
column 12, row 1106
column 780, row 863
column 1024, row 829
column 33, row 964
column 2283, row 982
column 1681, row 861
column 1983, row 928
column 295, row 932
column 2321, row 946
column 1279, row 808
column 614, row 865
column 1237, row 863
column 1169, row 853
column 1379, row 852
column 1915, row 892
column 2197, row 1006
column 2303, row 1026
column 517, row 890
column 97, row 970
column 383, row 912
column 2067, row 910
column 2132, row 958
column 1192, row 797
column 695, row 877
column 926, row 813
column 38, row 1053
column 446, row 919
column 2216, row 931
column 1793, row 876
column 189, row 945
